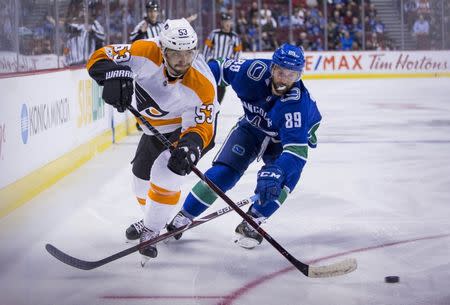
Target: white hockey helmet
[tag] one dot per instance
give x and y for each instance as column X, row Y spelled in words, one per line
column 178, row 34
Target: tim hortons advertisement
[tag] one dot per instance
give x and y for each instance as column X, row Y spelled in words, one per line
column 378, row 62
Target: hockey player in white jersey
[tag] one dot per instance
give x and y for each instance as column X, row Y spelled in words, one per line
column 175, row 92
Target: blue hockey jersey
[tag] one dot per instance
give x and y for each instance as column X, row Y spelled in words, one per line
column 291, row 120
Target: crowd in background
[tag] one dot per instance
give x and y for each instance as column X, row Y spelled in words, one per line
column 423, row 19
column 345, row 27
column 337, row 26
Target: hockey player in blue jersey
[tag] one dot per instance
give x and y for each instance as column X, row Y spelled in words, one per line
column 279, row 127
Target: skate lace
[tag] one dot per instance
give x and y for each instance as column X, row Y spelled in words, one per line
column 139, row 226
column 148, row 234
column 180, row 220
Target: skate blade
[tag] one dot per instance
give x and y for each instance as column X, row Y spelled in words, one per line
column 245, row 242
column 169, row 240
column 132, row 241
column 144, row 260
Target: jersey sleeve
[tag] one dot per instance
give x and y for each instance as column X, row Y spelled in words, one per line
column 297, row 122
column 200, row 119
column 132, row 55
column 225, row 70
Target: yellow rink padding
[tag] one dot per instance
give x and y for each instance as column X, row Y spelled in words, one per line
column 18, row 193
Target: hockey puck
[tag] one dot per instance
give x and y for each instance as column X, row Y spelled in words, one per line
column 392, row 279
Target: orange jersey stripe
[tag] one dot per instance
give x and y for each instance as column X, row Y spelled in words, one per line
column 163, row 196
column 238, row 48
column 148, row 49
column 141, row 201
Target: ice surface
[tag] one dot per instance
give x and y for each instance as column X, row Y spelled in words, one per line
column 380, row 175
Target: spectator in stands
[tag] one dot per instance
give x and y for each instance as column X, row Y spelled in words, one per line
column 348, row 18
column 252, row 35
column 312, row 3
column 356, row 31
column 268, row 25
column 317, row 45
column 421, row 30
column 6, row 32
column 268, row 42
column 304, row 41
column 241, row 23
column 423, row 8
column 265, row 11
column 410, row 11
column 378, row 26
column 372, row 11
column 372, row 42
column 253, row 12
column 43, row 35
column 298, row 18
column 352, row 6
column 336, row 17
column 346, row 41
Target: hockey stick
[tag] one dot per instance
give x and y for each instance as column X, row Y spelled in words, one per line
column 88, row 265
column 339, row 268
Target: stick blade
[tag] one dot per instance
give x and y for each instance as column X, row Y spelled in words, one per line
column 339, row 268
column 69, row 260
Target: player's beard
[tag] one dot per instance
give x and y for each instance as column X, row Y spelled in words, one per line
column 279, row 88
column 177, row 70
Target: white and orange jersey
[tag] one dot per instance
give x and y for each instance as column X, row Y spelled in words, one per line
column 189, row 102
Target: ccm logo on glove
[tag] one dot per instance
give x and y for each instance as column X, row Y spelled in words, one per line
column 270, row 174
column 269, row 183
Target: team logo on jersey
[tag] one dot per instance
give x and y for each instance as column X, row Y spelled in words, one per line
column 238, row 149
column 109, row 52
column 146, row 103
column 293, row 95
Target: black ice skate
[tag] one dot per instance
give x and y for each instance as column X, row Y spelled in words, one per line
column 149, row 251
column 246, row 236
column 133, row 233
column 178, row 221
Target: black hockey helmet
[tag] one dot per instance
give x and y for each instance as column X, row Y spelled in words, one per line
column 225, row 16
column 152, row 5
column 94, row 3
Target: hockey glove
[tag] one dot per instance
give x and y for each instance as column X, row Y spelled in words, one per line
column 269, row 183
column 186, row 154
column 118, row 88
